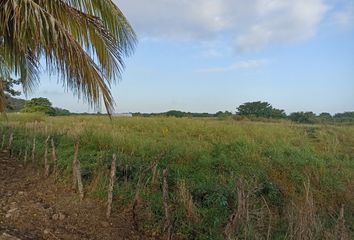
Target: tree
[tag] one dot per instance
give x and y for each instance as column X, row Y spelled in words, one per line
column 175, row 113
column 39, row 105
column 325, row 117
column 61, row 112
column 260, row 109
column 221, row 114
column 303, row 117
column 344, row 117
column 83, row 42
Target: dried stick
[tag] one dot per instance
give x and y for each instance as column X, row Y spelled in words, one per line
column 155, row 176
column 9, row 146
column 54, row 157
column 77, row 171
column 11, row 138
column 19, row 154
column 79, row 181
column 112, row 180
column 3, row 141
column 137, row 199
column 76, row 151
column 46, row 165
column 184, row 197
column 33, row 148
column 25, row 157
column 167, row 226
column 269, row 231
column 341, row 230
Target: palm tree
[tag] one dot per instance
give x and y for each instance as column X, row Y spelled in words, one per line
column 83, row 42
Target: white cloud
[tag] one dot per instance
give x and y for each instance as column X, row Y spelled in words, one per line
column 282, row 21
column 181, row 19
column 246, row 24
column 236, row 66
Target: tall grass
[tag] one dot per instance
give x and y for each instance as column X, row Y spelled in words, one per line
column 285, row 166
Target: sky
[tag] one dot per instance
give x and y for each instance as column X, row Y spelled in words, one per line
column 211, row 55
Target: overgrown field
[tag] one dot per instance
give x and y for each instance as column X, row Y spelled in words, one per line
column 282, row 180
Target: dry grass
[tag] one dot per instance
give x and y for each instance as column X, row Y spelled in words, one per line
column 205, row 156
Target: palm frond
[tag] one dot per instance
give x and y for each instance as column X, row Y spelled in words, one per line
column 91, row 33
column 83, row 41
column 113, row 19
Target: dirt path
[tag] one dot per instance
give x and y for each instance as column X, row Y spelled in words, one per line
column 33, row 207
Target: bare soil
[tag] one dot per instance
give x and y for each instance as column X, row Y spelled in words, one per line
column 35, row 207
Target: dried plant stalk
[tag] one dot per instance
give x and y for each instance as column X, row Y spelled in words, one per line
column 112, row 180
column 76, row 150
column 137, row 200
column 167, row 226
column 54, row 157
column 303, row 222
column 3, row 141
column 33, row 148
column 239, row 213
column 341, row 231
column 46, row 165
column 155, row 176
column 11, row 138
column 186, row 200
column 25, row 157
column 77, row 171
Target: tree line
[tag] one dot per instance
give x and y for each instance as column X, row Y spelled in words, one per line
column 259, row 111
column 42, row 105
column 250, row 110
column 180, row 114
column 266, row 110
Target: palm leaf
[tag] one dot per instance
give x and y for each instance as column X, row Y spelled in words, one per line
column 83, row 41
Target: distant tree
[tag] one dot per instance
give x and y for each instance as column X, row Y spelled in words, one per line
column 39, row 105
column 61, row 112
column 222, row 114
column 325, row 117
column 277, row 113
column 175, row 113
column 260, row 109
column 303, row 117
column 344, row 117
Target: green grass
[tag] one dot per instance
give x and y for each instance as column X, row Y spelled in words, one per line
column 275, row 160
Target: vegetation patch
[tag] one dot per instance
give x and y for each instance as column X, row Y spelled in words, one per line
column 282, row 181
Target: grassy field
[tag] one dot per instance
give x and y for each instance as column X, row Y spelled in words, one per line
column 294, row 179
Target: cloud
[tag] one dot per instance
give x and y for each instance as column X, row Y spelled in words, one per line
column 282, row 21
column 236, row 66
column 247, row 25
column 176, row 19
column 345, row 17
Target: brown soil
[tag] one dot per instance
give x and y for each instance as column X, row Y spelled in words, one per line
column 35, row 207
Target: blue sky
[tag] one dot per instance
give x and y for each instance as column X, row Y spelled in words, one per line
column 211, row 55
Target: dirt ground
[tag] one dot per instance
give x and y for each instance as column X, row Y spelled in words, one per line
column 35, row 207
